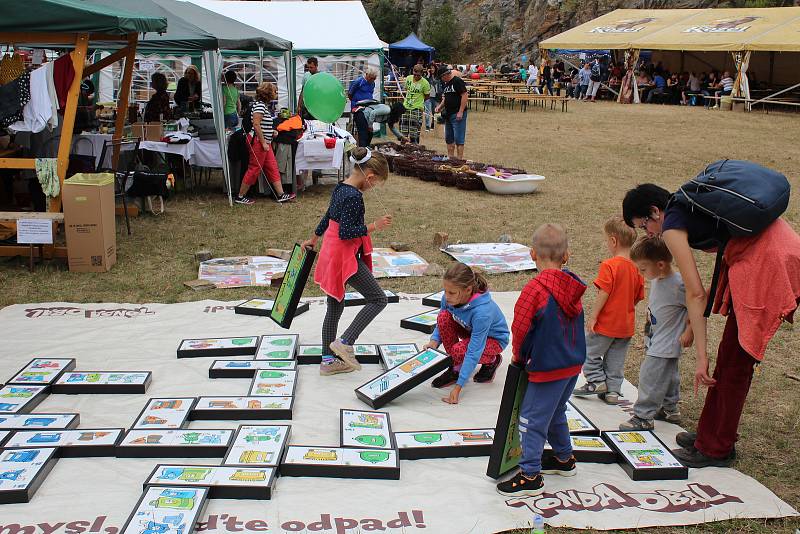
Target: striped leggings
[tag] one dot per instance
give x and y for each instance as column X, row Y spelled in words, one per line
column 363, row 282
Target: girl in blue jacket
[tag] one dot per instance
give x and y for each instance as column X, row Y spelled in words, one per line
column 472, row 329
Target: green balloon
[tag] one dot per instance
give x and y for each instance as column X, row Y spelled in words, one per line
column 323, row 97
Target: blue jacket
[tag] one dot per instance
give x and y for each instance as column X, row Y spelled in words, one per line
column 360, row 89
column 482, row 317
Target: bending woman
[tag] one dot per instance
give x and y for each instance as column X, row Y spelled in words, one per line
column 759, row 288
column 346, row 258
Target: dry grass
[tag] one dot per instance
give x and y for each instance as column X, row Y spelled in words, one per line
column 590, row 157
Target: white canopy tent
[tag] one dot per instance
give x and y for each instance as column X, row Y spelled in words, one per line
column 338, row 33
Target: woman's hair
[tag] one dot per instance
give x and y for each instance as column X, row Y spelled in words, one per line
column 230, row 76
column 371, row 72
column 266, row 92
column 158, row 81
column 639, row 200
column 464, row 276
column 376, row 163
column 194, row 73
column 616, row 227
column 651, row 249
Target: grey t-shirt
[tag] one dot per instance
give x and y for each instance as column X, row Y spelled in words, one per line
column 666, row 317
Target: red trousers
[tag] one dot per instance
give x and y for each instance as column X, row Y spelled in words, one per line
column 456, row 338
column 719, row 422
column 260, row 159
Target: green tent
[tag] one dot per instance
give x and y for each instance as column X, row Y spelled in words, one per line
column 76, row 16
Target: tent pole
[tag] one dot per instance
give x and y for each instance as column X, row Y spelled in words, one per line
column 771, row 67
column 68, row 125
column 683, row 57
column 125, row 91
column 260, row 64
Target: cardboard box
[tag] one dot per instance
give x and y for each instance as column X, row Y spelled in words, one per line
column 89, row 220
column 148, row 131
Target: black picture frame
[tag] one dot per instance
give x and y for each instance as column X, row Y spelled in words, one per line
column 316, row 359
column 38, row 421
column 292, row 353
column 241, row 309
column 391, row 298
column 248, row 368
column 220, row 491
column 384, row 356
column 392, row 393
column 15, row 380
column 444, row 451
column 408, row 324
column 227, row 461
column 102, row 389
column 157, row 450
column 506, row 431
column 77, row 450
column 218, row 352
column 639, row 474
column 292, row 285
column 434, row 300
column 244, row 414
column 162, row 426
column 23, row 495
column 197, row 511
column 341, row 471
column 388, row 445
column 38, row 395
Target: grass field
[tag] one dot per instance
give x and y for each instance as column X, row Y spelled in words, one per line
column 590, row 157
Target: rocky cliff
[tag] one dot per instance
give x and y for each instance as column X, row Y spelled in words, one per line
column 503, row 30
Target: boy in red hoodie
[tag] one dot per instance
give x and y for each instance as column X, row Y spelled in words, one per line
column 548, row 339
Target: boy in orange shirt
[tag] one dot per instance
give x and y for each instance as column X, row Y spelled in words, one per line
column 610, row 325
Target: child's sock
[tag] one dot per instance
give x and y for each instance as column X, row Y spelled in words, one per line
column 327, row 359
column 348, row 343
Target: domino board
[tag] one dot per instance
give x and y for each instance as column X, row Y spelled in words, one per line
column 430, row 444
column 434, row 300
column 272, row 383
column 82, row 443
column 231, row 408
column 43, row 371
column 183, row 443
column 102, row 382
column 588, row 449
column 366, row 430
column 22, row 471
column 312, row 354
column 20, row 399
column 162, row 413
column 218, row 347
column 263, row 307
column 424, row 322
column 39, row 421
column 247, row 368
column 400, row 379
column 258, row 445
column 339, row 462
column 393, row 355
column 354, row 298
column 167, row 510
column 277, row 347
column 223, row 482
column 645, row 457
column 579, row 424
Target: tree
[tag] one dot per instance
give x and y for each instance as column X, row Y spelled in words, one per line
column 439, row 30
column 391, row 22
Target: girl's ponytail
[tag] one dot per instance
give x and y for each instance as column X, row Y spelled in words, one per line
column 463, row 275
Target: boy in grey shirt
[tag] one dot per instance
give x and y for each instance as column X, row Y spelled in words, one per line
column 666, row 333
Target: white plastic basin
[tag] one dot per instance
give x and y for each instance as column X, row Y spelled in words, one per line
column 516, row 184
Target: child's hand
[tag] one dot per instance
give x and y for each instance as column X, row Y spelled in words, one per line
column 383, row 222
column 309, row 244
column 687, row 339
column 431, row 345
column 453, row 397
column 590, row 324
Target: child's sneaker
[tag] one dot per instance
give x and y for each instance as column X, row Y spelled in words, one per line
column 346, row 353
column 635, row 423
column 244, row 200
column 590, row 388
column 334, row 368
column 553, row 466
column 286, row 197
column 486, row 372
column 610, row 398
column 686, row 439
column 669, row 417
column 519, row 484
column 448, row 378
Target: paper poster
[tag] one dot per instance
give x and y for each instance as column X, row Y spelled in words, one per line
column 34, row 231
column 394, row 355
column 203, row 475
column 165, row 413
column 365, row 429
column 167, row 510
column 387, row 263
column 493, row 258
column 258, row 444
column 37, row 421
column 42, row 370
column 297, row 454
column 246, row 271
column 65, row 438
column 397, row 375
column 277, row 347
column 286, row 365
column 19, row 467
column 219, row 343
column 244, row 403
column 643, row 450
column 14, row 398
column 181, row 438
column 273, row 383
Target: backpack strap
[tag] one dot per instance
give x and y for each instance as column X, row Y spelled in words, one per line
column 712, row 292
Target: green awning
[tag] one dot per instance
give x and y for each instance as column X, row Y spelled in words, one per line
column 76, row 16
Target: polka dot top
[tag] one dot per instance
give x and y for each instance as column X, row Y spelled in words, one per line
column 347, row 209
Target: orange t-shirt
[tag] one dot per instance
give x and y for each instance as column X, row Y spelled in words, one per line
column 620, row 278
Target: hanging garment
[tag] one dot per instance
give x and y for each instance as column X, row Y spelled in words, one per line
column 47, row 173
column 51, row 91
column 11, row 68
column 63, row 74
column 13, row 97
column 38, row 111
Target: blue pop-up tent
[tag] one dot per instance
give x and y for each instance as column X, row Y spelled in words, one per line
column 405, row 53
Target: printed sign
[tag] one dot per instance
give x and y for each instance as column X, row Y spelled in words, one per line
column 34, row 231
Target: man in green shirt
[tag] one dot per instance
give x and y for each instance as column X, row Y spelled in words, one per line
column 418, row 90
column 232, row 104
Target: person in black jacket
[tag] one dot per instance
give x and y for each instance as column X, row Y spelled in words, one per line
column 189, row 92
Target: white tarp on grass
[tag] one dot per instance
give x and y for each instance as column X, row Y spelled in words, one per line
column 432, row 496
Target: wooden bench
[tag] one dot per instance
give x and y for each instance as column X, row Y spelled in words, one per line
column 19, row 250
column 478, row 100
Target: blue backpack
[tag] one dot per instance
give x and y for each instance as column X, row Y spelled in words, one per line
column 743, row 197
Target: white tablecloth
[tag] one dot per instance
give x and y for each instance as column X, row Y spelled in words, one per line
column 204, row 153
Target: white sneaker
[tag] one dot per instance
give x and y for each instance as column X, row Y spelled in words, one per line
column 346, row 353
